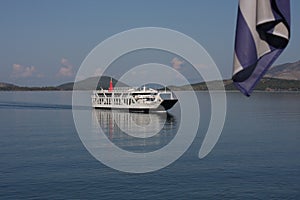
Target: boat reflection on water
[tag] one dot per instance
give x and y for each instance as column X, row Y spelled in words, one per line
column 136, row 132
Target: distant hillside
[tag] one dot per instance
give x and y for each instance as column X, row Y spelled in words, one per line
column 288, row 71
column 272, row 84
column 12, row 87
column 90, row 83
column 7, row 86
column 87, row 84
column 266, row 84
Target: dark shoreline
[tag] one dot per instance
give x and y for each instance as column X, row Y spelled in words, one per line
column 266, row 84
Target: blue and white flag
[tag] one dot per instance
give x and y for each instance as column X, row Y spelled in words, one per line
column 262, row 32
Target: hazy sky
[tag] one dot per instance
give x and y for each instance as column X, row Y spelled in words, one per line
column 44, row 42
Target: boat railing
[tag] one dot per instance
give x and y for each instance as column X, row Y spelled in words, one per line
column 123, row 88
column 117, row 89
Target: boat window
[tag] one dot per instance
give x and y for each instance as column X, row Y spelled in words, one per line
column 165, row 96
column 150, row 99
column 139, row 93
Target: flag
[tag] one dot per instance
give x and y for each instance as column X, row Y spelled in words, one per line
column 262, row 33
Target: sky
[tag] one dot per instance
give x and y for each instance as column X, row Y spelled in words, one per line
column 43, row 43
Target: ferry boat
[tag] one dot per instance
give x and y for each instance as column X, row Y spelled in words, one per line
column 133, row 99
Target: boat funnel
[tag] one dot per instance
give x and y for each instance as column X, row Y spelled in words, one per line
column 111, row 88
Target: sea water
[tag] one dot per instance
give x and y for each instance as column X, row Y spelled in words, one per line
column 256, row 157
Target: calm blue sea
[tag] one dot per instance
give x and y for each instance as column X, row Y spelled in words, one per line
column 257, row 156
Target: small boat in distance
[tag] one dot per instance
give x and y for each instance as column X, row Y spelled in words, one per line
column 133, row 99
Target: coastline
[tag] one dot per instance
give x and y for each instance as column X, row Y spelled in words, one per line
column 266, row 84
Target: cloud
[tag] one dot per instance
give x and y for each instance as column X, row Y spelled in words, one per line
column 66, row 70
column 66, row 62
column 98, row 72
column 201, row 66
column 20, row 71
column 176, row 63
